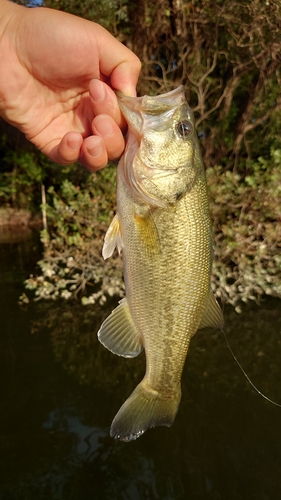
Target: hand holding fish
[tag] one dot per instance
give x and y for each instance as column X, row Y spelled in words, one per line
column 50, row 66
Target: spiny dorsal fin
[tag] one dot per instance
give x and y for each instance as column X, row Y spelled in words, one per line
column 112, row 238
column 213, row 316
column 118, row 332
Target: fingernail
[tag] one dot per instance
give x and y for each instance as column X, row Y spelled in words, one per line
column 98, row 91
column 95, row 151
column 73, row 144
column 129, row 91
column 103, row 127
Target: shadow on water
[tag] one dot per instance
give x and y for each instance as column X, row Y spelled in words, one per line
column 60, row 389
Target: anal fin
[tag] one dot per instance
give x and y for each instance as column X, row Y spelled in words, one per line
column 119, row 334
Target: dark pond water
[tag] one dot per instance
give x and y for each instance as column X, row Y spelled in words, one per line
column 60, row 389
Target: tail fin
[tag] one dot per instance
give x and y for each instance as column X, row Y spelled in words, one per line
column 143, row 409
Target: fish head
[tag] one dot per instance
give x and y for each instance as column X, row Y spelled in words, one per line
column 162, row 159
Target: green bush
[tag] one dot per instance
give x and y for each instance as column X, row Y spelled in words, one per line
column 246, row 215
column 72, row 265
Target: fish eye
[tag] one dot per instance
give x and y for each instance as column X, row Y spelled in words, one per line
column 184, row 128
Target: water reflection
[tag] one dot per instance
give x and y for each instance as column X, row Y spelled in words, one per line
column 60, row 390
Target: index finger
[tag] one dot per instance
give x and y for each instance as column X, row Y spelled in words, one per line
column 103, row 101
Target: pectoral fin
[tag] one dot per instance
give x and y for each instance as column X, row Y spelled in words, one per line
column 147, row 234
column 118, row 332
column 213, row 316
column 112, row 238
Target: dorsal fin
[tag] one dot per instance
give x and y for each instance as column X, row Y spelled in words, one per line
column 212, row 316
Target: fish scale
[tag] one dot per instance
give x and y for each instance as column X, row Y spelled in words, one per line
column 163, row 228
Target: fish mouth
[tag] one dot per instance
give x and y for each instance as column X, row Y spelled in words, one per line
column 136, row 110
column 147, row 103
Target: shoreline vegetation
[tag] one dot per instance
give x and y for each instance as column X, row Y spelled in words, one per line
column 227, row 56
column 16, row 224
column 18, row 219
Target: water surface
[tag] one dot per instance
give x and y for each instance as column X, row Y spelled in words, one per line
column 60, row 390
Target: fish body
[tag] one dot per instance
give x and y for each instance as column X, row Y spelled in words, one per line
column 163, row 228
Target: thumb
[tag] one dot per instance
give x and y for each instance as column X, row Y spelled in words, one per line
column 125, row 77
column 118, row 63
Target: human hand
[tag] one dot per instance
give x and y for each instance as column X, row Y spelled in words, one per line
column 56, row 79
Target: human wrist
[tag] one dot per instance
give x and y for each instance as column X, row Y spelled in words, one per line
column 10, row 17
column 7, row 11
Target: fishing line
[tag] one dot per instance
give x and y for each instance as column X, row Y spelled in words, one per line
column 245, row 374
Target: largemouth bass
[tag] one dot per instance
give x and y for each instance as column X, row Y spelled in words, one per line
column 163, row 228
